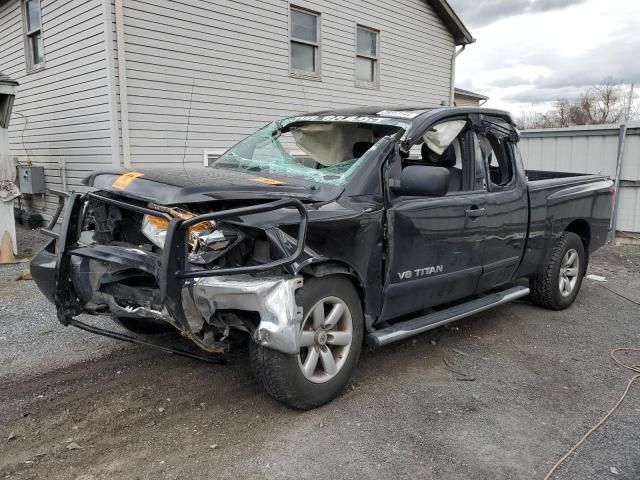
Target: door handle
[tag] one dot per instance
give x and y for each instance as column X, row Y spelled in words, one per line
column 475, row 212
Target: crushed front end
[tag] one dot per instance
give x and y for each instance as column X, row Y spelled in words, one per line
column 205, row 271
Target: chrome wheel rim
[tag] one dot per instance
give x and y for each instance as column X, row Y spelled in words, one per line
column 569, row 271
column 325, row 340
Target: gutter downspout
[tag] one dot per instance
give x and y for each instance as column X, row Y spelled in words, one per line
column 453, row 73
column 122, row 76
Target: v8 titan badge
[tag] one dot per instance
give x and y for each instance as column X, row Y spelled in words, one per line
column 123, row 181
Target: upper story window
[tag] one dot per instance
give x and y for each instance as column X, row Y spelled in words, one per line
column 305, row 43
column 34, row 47
column 367, row 57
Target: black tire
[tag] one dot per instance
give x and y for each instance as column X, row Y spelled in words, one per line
column 281, row 374
column 144, row 326
column 546, row 290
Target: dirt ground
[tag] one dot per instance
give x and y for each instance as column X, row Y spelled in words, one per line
column 531, row 383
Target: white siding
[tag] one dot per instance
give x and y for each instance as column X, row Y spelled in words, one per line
column 63, row 111
column 235, row 56
column 463, row 101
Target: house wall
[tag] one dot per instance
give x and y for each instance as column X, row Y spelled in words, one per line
column 464, row 101
column 217, row 68
column 206, row 73
column 61, row 113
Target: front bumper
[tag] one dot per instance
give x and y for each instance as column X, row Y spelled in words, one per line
column 187, row 297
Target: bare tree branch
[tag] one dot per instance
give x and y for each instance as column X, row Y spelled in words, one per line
column 598, row 104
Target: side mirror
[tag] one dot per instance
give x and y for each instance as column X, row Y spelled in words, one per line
column 423, row 181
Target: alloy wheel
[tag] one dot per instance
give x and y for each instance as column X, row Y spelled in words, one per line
column 325, row 340
column 569, row 271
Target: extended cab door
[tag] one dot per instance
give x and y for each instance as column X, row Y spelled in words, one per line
column 435, row 243
column 507, row 210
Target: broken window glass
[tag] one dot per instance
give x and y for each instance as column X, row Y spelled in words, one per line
column 323, row 152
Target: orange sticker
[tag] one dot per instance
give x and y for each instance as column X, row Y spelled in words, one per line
column 268, row 181
column 123, row 181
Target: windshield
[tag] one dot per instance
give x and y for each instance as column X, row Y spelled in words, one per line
column 311, row 148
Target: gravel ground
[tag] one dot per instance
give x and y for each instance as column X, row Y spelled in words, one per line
column 82, row 407
column 31, row 341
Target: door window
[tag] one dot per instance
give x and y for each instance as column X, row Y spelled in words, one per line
column 445, row 145
column 497, row 160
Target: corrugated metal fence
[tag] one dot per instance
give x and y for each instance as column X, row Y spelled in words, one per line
column 591, row 149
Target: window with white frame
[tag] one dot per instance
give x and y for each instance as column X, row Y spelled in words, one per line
column 367, row 57
column 33, row 44
column 305, row 43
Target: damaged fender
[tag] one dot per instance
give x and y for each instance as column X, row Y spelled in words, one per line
column 273, row 298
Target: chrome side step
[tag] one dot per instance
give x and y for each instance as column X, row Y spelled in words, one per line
column 418, row 325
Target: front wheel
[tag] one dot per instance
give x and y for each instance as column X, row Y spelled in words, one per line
column 560, row 283
column 330, row 343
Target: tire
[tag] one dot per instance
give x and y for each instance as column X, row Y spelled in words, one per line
column 144, row 326
column 283, row 376
column 549, row 289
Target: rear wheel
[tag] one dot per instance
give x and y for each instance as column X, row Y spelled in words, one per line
column 330, row 338
column 560, row 283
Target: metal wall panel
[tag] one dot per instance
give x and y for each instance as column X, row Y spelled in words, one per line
column 592, row 149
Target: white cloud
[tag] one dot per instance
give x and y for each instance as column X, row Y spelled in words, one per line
column 537, row 51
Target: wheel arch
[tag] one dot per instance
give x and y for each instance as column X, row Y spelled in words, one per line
column 581, row 228
column 322, row 267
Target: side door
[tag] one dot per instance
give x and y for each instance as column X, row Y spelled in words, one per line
column 434, row 246
column 507, row 207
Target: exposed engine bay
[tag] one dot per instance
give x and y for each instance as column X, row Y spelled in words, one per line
column 216, row 314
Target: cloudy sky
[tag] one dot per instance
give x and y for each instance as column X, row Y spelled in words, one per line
column 531, row 52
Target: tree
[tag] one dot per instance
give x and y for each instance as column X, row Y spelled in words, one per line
column 597, row 105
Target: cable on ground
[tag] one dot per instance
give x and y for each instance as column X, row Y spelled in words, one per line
column 633, row 368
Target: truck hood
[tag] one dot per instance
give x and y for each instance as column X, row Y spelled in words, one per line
column 173, row 186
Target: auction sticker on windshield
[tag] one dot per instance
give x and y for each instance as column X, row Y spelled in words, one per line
column 406, row 114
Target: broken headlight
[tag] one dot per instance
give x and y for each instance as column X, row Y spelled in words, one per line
column 207, row 241
column 155, row 228
column 210, row 246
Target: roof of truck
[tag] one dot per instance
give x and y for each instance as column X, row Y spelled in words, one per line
column 410, row 113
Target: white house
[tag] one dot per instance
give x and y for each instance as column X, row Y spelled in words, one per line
column 465, row 98
column 109, row 83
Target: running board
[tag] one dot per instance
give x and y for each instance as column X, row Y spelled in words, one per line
column 415, row 326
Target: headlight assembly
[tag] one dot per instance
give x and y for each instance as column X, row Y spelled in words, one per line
column 207, row 240
column 155, row 228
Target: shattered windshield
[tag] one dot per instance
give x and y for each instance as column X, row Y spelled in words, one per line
column 317, row 149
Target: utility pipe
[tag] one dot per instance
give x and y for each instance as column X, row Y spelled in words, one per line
column 453, row 73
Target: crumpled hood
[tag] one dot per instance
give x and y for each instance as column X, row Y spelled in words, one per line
column 173, row 186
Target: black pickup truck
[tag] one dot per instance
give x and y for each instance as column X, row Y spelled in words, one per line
column 321, row 232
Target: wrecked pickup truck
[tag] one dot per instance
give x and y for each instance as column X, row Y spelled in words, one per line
column 321, row 232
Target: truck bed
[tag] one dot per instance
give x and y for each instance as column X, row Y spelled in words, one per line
column 560, row 200
column 535, row 175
